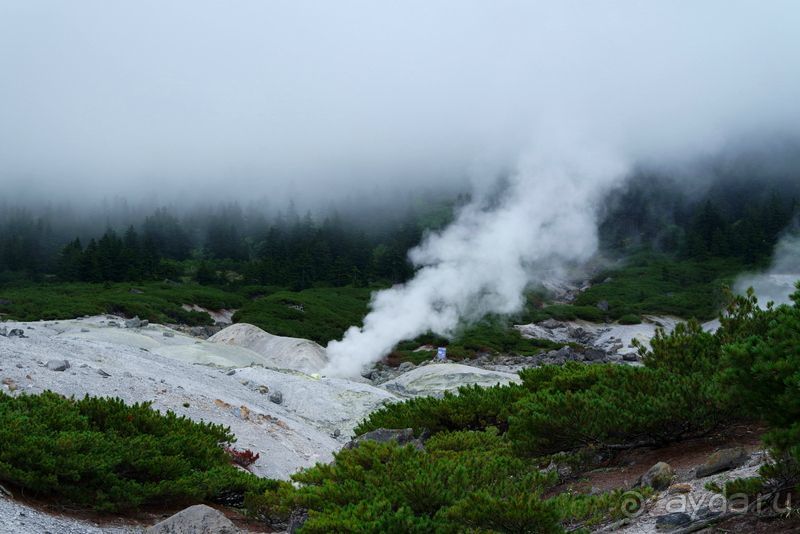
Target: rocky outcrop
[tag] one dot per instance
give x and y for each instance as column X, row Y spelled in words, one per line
column 435, row 379
column 402, row 436
column 198, row 519
column 657, row 477
column 278, row 351
column 723, row 460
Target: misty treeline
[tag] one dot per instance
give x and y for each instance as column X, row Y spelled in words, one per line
column 732, row 218
column 225, row 244
column 740, row 218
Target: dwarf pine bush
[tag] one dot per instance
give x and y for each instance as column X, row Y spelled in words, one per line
column 103, row 454
column 463, row 482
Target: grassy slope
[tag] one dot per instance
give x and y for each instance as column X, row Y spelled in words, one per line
column 158, row 301
column 326, row 312
column 656, row 284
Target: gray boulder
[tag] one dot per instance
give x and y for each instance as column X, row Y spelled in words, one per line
column 402, row 436
column 16, row 332
column 133, row 323
column 722, row 460
column 657, row 477
column 57, row 365
column 405, row 366
column 198, row 519
column 672, row 521
column 276, row 397
column 550, row 324
column 593, row 355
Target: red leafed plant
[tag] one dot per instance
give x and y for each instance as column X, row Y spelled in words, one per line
column 244, row 458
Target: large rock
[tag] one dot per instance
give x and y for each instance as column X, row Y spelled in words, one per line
column 402, row 436
column 435, row 379
column 57, row 365
column 198, row 519
column 278, row 351
column 673, row 521
column 722, row 460
column 657, row 477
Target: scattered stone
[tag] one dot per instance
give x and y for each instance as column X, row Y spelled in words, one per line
column 168, row 334
column 103, row 373
column 57, row 365
column 113, row 323
column 276, row 397
column 550, row 324
column 263, row 389
column 197, row 519
column 657, row 477
column 3, row 331
column 133, row 323
column 405, row 366
column 136, row 291
column 672, row 521
column 10, row 384
column 231, row 372
column 384, row 435
column 630, row 357
column 593, row 355
column 337, row 433
column 84, row 330
column 706, row 513
column 16, row 332
column 682, row 487
column 722, row 460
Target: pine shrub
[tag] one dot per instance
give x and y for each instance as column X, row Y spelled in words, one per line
column 102, row 454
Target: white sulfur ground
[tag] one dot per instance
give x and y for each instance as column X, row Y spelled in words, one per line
column 442, row 377
column 614, row 338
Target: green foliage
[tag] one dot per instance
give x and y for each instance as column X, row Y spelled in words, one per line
column 761, row 372
column 750, row 487
column 103, row 454
column 321, row 314
column 607, row 405
column 650, row 283
column 155, row 301
column 472, row 408
column 630, row 318
column 567, row 312
column 464, row 481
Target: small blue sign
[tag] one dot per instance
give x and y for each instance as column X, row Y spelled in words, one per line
column 441, row 353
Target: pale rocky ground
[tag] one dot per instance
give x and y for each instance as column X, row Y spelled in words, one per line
column 264, row 387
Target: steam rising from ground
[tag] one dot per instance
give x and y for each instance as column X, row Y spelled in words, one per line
column 778, row 282
column 481, row 264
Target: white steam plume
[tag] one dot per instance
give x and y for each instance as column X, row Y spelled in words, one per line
column 778, row 282
column 483, row 261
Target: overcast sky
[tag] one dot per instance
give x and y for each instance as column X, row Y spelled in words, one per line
column 316, row 99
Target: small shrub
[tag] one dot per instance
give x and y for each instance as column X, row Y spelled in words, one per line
column 242, row 457
column 630, row 318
